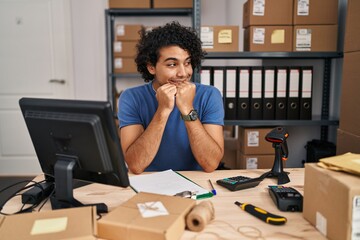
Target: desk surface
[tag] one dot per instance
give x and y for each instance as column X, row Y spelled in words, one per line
column 228, row 217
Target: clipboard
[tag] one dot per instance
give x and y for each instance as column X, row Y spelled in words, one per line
column 167, row 182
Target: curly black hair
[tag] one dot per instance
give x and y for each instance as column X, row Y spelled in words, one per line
column 171, row 34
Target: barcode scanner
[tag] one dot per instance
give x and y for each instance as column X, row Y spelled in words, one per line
column 278, row 137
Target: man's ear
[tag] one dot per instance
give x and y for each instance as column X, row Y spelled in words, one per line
column 151, row 69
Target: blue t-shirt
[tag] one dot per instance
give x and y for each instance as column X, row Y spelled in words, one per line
column 138, row 105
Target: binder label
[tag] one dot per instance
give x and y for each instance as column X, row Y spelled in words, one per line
column 294, row 83
column 218, row 80
column 256, row 84
column 244, row 84
column 281, row 83
column 230, row 83
column 269, row 84
column 306, row 84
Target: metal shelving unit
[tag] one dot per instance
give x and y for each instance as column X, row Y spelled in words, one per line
column 112, row 14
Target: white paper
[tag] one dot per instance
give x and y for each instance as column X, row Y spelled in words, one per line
column 166, row 182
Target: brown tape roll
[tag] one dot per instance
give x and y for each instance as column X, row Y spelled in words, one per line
column 200, row 216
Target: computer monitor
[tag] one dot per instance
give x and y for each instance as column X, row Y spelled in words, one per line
column 75, row 139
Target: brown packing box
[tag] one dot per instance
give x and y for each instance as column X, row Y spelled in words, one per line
column 126, row 32
column 252, row 141
column 173, row 3
column 73, row 223
column 274, row 12
column 220, row 38
column 230, row 152
column 124, row 65
column 350, row 89
column 129, row 3
column 125, row 48
column 315, row 38
column 352, row 30
column 329, row 199
column 268, row 39
column 255, row 161
column 127, row 222
column 316, row 12
column 347, row 142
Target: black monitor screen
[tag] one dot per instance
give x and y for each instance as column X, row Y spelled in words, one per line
column 76, row 135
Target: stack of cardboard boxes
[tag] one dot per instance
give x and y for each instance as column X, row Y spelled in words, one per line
column 249, row 150
column 290, row 25
column 348, row 135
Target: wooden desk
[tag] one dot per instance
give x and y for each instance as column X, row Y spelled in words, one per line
column 226, row 212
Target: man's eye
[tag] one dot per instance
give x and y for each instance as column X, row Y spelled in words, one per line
column 171, row 64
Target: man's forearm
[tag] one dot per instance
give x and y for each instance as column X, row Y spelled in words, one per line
column 207, row 151
column 141, row 153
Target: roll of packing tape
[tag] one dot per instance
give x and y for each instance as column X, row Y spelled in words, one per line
column 200, row 216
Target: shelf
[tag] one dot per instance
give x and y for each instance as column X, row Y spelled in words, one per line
column 273, row 55
column 125, row 75
column 257, row 123
column 150, row 12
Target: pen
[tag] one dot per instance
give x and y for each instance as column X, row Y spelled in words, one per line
column 212, row 188
column 262, row 214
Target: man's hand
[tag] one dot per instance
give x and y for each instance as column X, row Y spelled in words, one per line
column 185, row 96
column 165, row 96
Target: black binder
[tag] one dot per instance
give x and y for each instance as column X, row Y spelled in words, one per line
column 280, row 93
column 269, row 93
column 256, row 93
column 230, row 94
column 243, row 103
column 306, row 75
column 293, row 100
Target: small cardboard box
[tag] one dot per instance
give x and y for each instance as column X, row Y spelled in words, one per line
column 173, row 3
column 127, row 32
column 220, row 38
column 231, row 147
column 347, row 142
column 268, row 38
column 252, row 141
column 73, row 223
column 332, row 202
column 129, row 3
column 125, row 48
column 352, row 30
column 315, row 12
column 350, row 88
column 256, row 161
column 315, row 38
column 270, row 12
column 147, row 216
column 125, row 65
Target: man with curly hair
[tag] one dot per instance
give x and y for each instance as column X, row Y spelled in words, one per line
column 171, row 122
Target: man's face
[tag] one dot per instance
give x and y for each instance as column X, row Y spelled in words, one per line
column 173, row 66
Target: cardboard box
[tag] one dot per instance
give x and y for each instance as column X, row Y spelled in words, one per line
column 352, row 30
column 127, row 32
column 220, row 38
column 125, row 48
column 273, row 12
column 315, row 38
column 255, row 161
column 315, row 12
column 173, row 3
column 230, row 152
column 252, row 141
column 129, row 221
column 129, row 4
column 268, row 39
column 72, row 223
column 331, row 201
column 349, row 105
column 124, row 65
column 347, row 142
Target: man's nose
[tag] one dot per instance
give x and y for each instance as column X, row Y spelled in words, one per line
column 181, row 70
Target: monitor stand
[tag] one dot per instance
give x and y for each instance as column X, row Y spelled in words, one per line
column 63, row 197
